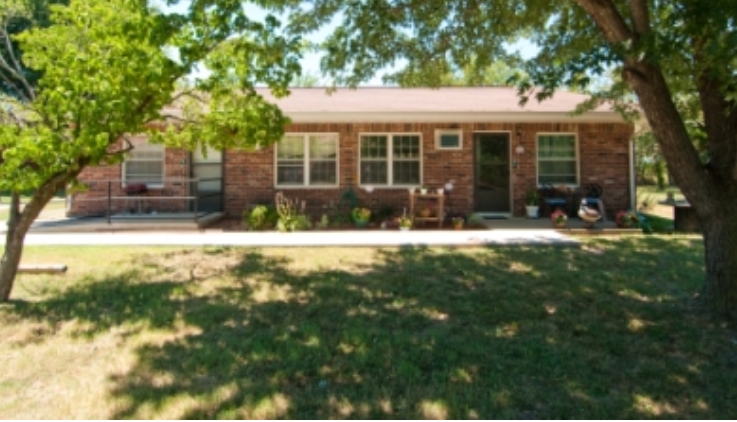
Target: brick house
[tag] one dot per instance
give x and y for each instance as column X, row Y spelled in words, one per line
column 477, row 143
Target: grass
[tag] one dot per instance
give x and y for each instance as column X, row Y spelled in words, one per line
column 648, row 196
column 601, row 331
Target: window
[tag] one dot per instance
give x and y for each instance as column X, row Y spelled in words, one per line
column 448, row 139
column 557, row 161
column 307, row 160
column 145, row 163
column 390, row 160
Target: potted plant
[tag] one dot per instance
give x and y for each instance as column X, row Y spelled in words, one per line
column 626, row 219
column 458, row 222
column 404, row 222
column 559, row 218
column 532, row 202
column 361, row 216
column 425, row 211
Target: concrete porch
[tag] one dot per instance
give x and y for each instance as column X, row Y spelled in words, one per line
column 185, row 221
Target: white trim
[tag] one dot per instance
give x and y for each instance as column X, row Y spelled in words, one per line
column 633, row 182
column 440, row 132
column 142, row 140
column 389, row 159
column 577, row 157
column 458, row 117
column 306, row 161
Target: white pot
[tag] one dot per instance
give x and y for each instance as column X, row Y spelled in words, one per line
column 532, row 211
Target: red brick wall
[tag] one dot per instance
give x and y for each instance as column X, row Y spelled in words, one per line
column 98, row 180
column 603, row 152
column 249, row 176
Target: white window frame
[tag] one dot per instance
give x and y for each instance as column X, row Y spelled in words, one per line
column 306, row 184
column 577, row 157
column 389, row 159
column 141, row 141
column 440, row 132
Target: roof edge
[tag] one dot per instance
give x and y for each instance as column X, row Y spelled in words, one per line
column 457, row 117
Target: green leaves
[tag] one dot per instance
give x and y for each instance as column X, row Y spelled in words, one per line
column 110, row 68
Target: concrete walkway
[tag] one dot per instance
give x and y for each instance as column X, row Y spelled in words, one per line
column 309, row 239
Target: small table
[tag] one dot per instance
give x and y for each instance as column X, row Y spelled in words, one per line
column 439, row 199
column 684, row 217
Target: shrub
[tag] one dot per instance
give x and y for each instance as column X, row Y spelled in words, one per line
column 475, row 221
column 361, row 214
column 291, row 214
column 261, row 217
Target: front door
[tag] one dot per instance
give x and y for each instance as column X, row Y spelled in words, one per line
column 491, row 183
column 208, row 170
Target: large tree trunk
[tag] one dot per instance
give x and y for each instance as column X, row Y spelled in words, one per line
column 719, row 293
column 13, row 250
column 19, row 222
column 710, row 188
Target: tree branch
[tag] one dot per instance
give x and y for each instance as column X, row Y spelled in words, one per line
column 18, row 71
column 608, row 19
column 640, row 16
column 719, row 123
column 177, row 118
column 12, row 78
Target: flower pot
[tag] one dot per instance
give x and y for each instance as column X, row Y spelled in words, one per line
column 362, row 224
column 532, row 211
column 423, row 191
column 560, row 225
column 425, row 212
column 404, row 229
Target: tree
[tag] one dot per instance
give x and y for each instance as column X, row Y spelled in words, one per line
column 498, row 73
column 306, row 80
column 15, row 17
column 661, row 49
column 108, row 69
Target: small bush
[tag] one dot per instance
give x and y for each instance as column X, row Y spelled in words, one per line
column 294, row 223
column 261, row 217
column 291, row 214
column 475, row 221
column 324, row 222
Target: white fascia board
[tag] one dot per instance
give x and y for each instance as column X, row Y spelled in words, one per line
column 455, row 117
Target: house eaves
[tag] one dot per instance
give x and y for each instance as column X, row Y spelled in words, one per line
column 416, row 105
column 451, row 117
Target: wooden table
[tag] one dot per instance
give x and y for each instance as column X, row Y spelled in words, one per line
column 684, row 217
column 439, row 202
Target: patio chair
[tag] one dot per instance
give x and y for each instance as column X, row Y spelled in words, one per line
column 555, row 198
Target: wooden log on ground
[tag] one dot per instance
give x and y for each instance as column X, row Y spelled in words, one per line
column 42, row 269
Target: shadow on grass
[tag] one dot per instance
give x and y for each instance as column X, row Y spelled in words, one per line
column 601, row 331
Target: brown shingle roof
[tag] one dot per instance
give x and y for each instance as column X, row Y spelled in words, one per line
column 451, row 99
column 389, row 104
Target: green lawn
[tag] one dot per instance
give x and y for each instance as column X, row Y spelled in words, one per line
column 601, row 331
